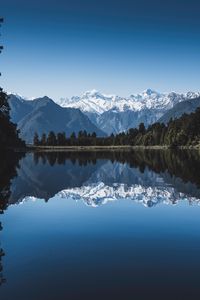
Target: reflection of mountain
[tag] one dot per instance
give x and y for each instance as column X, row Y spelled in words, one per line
column 116, row 172
column 43, row 180
column 98, row 194
column 149, row 177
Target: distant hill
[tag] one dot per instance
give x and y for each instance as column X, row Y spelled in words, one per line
column 43, row 115
column 187, row 106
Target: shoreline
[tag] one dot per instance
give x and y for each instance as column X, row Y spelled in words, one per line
column 31, row 148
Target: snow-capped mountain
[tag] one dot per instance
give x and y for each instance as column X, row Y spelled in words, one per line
column 112, row 113
column 99, row 194
column 96, row 102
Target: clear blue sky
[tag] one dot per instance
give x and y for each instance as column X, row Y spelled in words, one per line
column 62, row 48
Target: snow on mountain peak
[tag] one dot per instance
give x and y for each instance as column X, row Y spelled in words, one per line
column 92, row 93
column 99, row 193
column 149, row 92
column 96, row 102
column 21, row 97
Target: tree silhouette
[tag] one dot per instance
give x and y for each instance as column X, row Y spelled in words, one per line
column 2, row 253
column 36, row 141
column 51, row 139
column 61, row 139
column 43, row 140
column 9, row 135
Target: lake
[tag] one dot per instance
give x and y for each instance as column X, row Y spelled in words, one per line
column 100, row 225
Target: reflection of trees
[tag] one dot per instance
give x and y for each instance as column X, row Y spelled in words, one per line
column 82, row 158
column 2, row 279
column 183, row 164
column 8, row 165
column 9, row 161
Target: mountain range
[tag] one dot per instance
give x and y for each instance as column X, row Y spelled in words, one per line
column 96, row 112
column 114, row 114
column 43, row 115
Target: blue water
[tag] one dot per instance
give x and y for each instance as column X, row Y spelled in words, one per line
column 84, row 247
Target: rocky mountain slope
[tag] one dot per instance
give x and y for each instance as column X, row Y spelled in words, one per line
column 179, row 109
column 43, row 115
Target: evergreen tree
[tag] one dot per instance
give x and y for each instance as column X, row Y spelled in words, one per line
column 61, row 139
column 51, row 139
column 141, row 128
column 73, row 139
column 43, row 141
column 36, row 141
column 94, row 135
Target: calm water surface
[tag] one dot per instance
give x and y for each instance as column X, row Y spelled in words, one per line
column 100, row 226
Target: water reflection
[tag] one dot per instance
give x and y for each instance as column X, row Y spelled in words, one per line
column 147, row 177
column 68, row 251
column 2, row 279
column 8, row 170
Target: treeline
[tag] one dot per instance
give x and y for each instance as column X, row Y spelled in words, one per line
column 60, row 139
column 184, row 131
column 179, row 132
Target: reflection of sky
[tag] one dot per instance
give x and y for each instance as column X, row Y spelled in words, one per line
column 60, row 245
column 64, row 249
column 61, row 48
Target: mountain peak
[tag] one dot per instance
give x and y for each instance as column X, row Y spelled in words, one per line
column 44, row 99
column 95, row 94
column 90, row 93
column 149, row 92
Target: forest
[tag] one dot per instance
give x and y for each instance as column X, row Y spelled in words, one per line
column 184, row 131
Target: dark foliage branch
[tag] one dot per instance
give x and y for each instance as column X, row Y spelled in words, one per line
column 9, row 135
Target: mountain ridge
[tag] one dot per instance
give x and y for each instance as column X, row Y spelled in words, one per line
column 111, row 113
column 114, row 114
column 187, row 106
column 148, row 99
column 43, row 115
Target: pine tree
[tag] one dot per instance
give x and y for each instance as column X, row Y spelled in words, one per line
column 61, row 139
column 36, row 141
column 51, row 139
column 141, row 128
column 73, row 139
column 43, row 141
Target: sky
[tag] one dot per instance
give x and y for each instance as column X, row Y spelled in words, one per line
column 63, row 48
